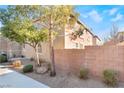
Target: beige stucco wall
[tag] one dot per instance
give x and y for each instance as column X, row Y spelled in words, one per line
column 96, row 41
column 9, row 47
column 29, row 52
column 85, row 39
column 59, row 42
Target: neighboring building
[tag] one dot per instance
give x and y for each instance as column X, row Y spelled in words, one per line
column 120, row 36
column 118, row 40
column 96, row 41
column 86, row 39
column 12, row 49
column 63, row 41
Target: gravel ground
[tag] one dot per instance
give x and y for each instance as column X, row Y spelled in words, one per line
column 66, row 80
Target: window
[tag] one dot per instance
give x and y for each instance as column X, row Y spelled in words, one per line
column 76, row 45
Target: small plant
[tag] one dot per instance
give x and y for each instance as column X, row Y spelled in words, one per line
column 28, row 68
column 110, row 77
column 84, row 73
column 3, row 58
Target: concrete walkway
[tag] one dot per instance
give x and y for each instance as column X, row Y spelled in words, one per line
column 12, row 79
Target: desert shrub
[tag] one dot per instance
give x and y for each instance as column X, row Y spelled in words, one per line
column 110, row 77
column 3, row 58
column 84, row 73
column 28, row 68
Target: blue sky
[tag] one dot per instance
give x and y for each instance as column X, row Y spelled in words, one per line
column 100, row 17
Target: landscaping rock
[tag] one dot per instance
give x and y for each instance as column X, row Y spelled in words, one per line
column 17, row 63
column 43, row 68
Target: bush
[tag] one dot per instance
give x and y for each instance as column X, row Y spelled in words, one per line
column 110, row 77
column 3, row 58
column 84, row 73
column 28, row 68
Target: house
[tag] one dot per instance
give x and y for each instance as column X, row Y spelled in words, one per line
column 117, row 40
column 12, row 49
column 120, row 36
column 86, row 39
column 64, row 41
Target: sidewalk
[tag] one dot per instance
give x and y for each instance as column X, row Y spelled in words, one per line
column 13, row 79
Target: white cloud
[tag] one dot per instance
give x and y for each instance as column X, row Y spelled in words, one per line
column 84, row 15
column 118, row 17
column 95, row 16
column 113, row 11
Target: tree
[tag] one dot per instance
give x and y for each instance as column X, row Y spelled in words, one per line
column 54, row 19
column 74, row 35
column 113, row 33
column 18, row 26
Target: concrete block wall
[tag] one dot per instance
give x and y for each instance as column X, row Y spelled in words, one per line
column 95, row 58
column 101, row 58
column 69, row 60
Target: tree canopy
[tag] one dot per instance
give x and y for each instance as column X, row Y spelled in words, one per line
column 18, row 25
column 33, row 24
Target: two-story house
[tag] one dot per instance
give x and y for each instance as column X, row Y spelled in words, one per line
column 64, row 41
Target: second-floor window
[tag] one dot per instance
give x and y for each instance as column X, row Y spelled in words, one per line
column 76, row 45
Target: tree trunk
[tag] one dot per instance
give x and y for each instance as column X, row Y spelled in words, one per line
column 37, row 57
column 53, row 71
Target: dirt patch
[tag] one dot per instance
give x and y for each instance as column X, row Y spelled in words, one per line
column 62, row 80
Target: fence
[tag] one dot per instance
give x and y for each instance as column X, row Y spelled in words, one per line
column 95, row 58
column 69, row 60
